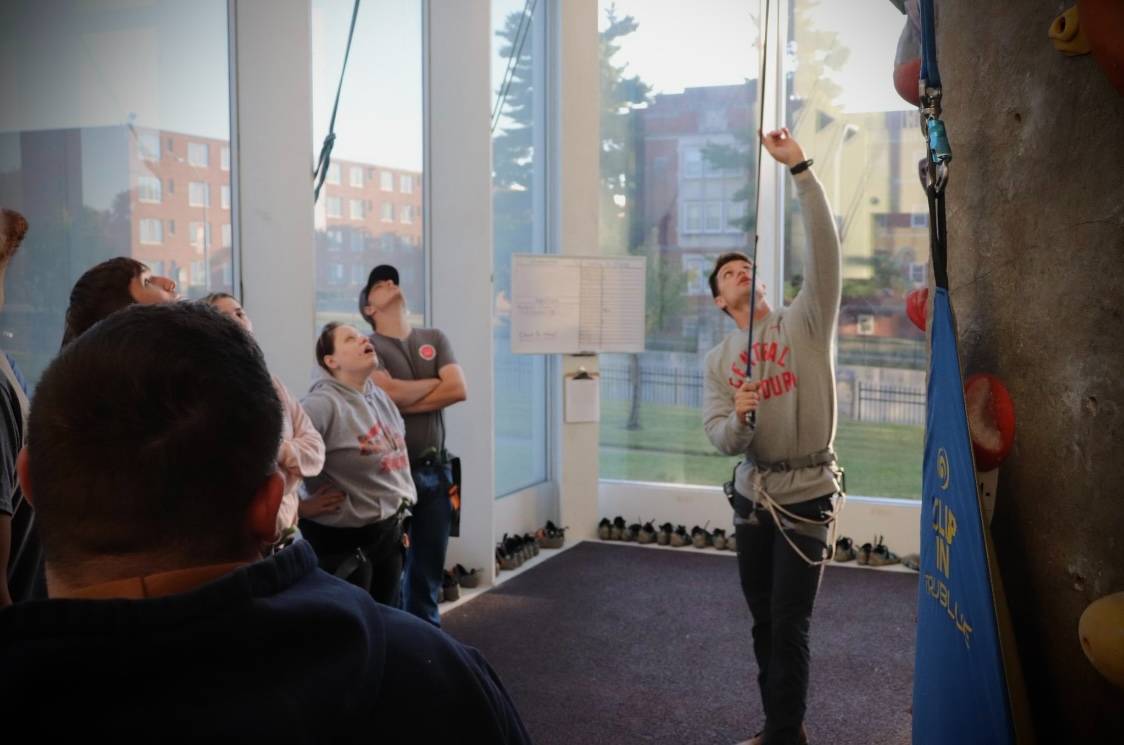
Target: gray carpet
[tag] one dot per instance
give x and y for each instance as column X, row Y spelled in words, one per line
column 624, row 644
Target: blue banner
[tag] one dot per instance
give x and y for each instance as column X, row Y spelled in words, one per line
column 959, row 685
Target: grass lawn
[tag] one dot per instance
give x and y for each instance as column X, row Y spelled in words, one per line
column 882, row 460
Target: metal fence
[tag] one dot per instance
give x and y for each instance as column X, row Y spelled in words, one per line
column 889, row 404
column 673, row 386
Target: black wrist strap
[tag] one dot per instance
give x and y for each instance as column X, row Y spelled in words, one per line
column 801, row 167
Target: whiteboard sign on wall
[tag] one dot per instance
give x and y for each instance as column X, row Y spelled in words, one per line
column 574, row 304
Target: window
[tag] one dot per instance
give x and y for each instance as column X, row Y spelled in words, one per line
column 197, row 154
column 386, row 181
column 384, row 76
column 171, row 186
column 335, row 239
column 157, row 267
column 151, row 230
column 200, row 234
column 224, row 157
column 866, row 146
column 518, row 224
column 406, row 183
column 358, row 274
column 660, row 171
column 227, row 236
column 225, row 196
column 406, row 214
column 199, row 194
column 148, row 145
column 148, row 189
column 198, row 273
column 171, row 227
column 387, row 212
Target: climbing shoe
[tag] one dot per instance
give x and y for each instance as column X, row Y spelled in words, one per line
column 553, row 536
column 845, row 550
column 616, row 533
column 881, row 556
column 465, row 578
column 631, row 532
column 679, row 538
column 647, row 533
column 449, row 586
column 664, row 536
column 700, row 537
column 719, row 538
column 605, row 529
column 912, row 561
column 863, row 555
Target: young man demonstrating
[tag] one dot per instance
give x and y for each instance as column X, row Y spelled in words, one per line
column 788, row 475
column 420, row 374
column 154, row 478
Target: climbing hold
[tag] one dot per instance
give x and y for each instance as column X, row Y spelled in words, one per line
column 1101, row 631
column 917, row 306
column 991, row 419
column 907, row 60
column 1068, row 34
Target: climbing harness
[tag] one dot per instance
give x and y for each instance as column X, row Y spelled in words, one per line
column 325, row 159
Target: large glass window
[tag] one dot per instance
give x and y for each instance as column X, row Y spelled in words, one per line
column 866, row 144
column 519, row 209
column 100, row 102
column 673, row 128
column 378, row 129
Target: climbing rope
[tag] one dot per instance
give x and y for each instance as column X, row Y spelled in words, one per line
column 325, row 159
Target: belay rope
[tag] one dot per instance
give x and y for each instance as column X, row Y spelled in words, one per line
column 325, row 159
column 782, row 518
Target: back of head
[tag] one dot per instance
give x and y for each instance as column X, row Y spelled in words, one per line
column 102, row 290
column 150, row 434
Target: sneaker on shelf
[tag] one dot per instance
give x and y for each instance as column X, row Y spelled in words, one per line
column 863, row 555
column 553, row 536
column 617, row 531
column 680, row 538
column 631, row 533
column 503, row 560
column 845, row 550
column 719, row 538
column 513, row 550
column 531, row 544
column 732, row 541
column 700, row 537
column 664, row 536
column 912, row 561
column 450, row 587
column 466, row 578
column 881, row 556
column 647, row 533
column 605, row 529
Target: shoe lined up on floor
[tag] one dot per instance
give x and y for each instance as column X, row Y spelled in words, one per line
column 553, row 536
column 844, row 550
column 666, row 535
column 881, row 556
column 874, row 554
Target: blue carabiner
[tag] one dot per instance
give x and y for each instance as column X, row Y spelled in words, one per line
column 938, row 142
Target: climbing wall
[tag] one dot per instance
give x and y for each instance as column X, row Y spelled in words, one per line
column 1036, row 269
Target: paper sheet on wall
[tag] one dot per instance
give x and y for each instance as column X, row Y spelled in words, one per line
column 583, row 400
column 570, row 304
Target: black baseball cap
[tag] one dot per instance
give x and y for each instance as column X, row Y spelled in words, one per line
column 378, row 274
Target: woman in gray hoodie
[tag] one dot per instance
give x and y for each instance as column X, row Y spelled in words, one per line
column 366, row 461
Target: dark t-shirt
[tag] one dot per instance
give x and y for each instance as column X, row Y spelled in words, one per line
column 24, row 558
column 421, row 355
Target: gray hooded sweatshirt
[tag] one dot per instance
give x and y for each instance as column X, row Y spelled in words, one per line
column 365, row 444
column 793, row 358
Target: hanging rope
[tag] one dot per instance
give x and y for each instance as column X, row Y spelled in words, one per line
column 513, row 60
column 325, row 159
column 938, row 151
column 752, row 418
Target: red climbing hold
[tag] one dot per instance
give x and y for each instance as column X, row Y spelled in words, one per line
column 991, row 419
column 917, row 305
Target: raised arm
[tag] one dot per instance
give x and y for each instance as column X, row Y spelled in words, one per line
column 817, row 304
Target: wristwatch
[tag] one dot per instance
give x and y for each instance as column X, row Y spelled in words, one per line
column 801, row 167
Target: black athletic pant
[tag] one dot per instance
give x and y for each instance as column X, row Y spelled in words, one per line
column 780, row 589
column 381, row 543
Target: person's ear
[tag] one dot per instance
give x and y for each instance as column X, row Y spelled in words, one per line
column 330, row 361
column 261, row 517
column 23, row 470
column 720, row 302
